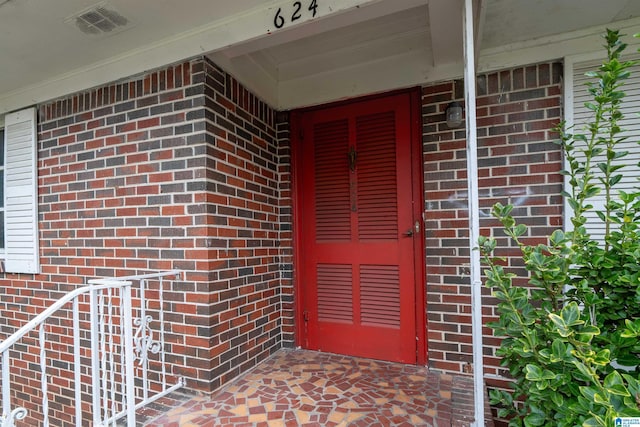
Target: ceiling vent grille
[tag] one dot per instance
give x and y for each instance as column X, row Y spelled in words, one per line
column 98, row 20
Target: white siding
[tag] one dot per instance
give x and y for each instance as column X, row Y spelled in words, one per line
column 20, row 193
column 631, row 129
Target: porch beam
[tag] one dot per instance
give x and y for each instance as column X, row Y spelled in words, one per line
column 479, row 16
column 364, row 11
column 446, row 31
column 579, row 43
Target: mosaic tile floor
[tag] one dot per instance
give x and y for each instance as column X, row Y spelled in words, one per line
column 305, row 388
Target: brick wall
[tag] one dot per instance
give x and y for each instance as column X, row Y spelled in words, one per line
column 183, row 168
column 518, row 164
column 245, row 206
column 177, row 169
column 286, row 228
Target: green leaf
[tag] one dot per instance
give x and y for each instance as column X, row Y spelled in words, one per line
column 559, row 350
column 599, row 399
column 587, row 333
column 614, row 384
column 560, row 324
column 520, row 230
column 584, row 370
column 603, row 357
column 620, row 154
column 594, row 421
column 571, row 314
column 589, row 105
column 588, row 392
column 535, row 373
column 603, row 167
column 535, row 419
column 557, row 237
column 632, row 329
column 614, row 180
column 557, row 399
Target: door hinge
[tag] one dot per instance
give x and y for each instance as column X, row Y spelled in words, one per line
column 305, row 317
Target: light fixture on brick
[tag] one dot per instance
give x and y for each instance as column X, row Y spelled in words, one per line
column 454, row 115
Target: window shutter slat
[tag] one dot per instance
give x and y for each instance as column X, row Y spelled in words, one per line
column 21, row 193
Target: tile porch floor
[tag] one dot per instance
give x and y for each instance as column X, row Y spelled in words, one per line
column 306, row 388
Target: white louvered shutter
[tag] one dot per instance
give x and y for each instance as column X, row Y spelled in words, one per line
column 631, row 129
column 21, row 193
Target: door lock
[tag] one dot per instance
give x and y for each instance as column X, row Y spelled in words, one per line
column 413, row 230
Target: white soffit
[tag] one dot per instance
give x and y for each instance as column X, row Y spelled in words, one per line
column 418, row 46
column 352, row 47
column 78, row 62
column 584, row 42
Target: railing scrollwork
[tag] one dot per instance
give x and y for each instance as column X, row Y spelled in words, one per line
column 143, row 341
column 123, row 331
column 17, row 414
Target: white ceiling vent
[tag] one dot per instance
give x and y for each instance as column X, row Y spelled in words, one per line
column 99, row 19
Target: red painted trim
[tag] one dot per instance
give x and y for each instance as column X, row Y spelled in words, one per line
column 418, row 214
column 361, row 99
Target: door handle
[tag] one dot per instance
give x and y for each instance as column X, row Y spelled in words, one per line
column 413, row 230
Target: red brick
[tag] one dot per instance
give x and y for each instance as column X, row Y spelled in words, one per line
column 508, row 171
column 154, row 191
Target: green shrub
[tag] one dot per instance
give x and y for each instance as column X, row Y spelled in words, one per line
column 566, row 336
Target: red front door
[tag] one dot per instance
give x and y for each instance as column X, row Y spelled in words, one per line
column 357, row 226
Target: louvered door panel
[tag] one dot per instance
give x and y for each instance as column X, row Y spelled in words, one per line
column 377, row 182
column 380, row 295
column 332, row 206
column 335, row 298
column 357, row 273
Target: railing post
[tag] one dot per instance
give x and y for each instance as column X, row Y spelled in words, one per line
column 126, row 394
column 161, row 322
column 128, row 354
column 95, row 354
column 6, row 387
column 143, row 349
column 8, row 415
column 44, row 380
column 77, row 375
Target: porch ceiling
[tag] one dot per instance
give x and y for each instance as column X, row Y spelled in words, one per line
column 352, row 47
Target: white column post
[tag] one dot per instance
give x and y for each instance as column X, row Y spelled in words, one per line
column 474, row 211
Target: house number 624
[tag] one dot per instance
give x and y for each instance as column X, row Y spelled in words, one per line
column 296, row 13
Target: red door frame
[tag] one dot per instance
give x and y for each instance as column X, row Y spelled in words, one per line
column 417, row 210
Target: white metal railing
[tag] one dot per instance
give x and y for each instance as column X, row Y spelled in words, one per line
column 116, row 348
